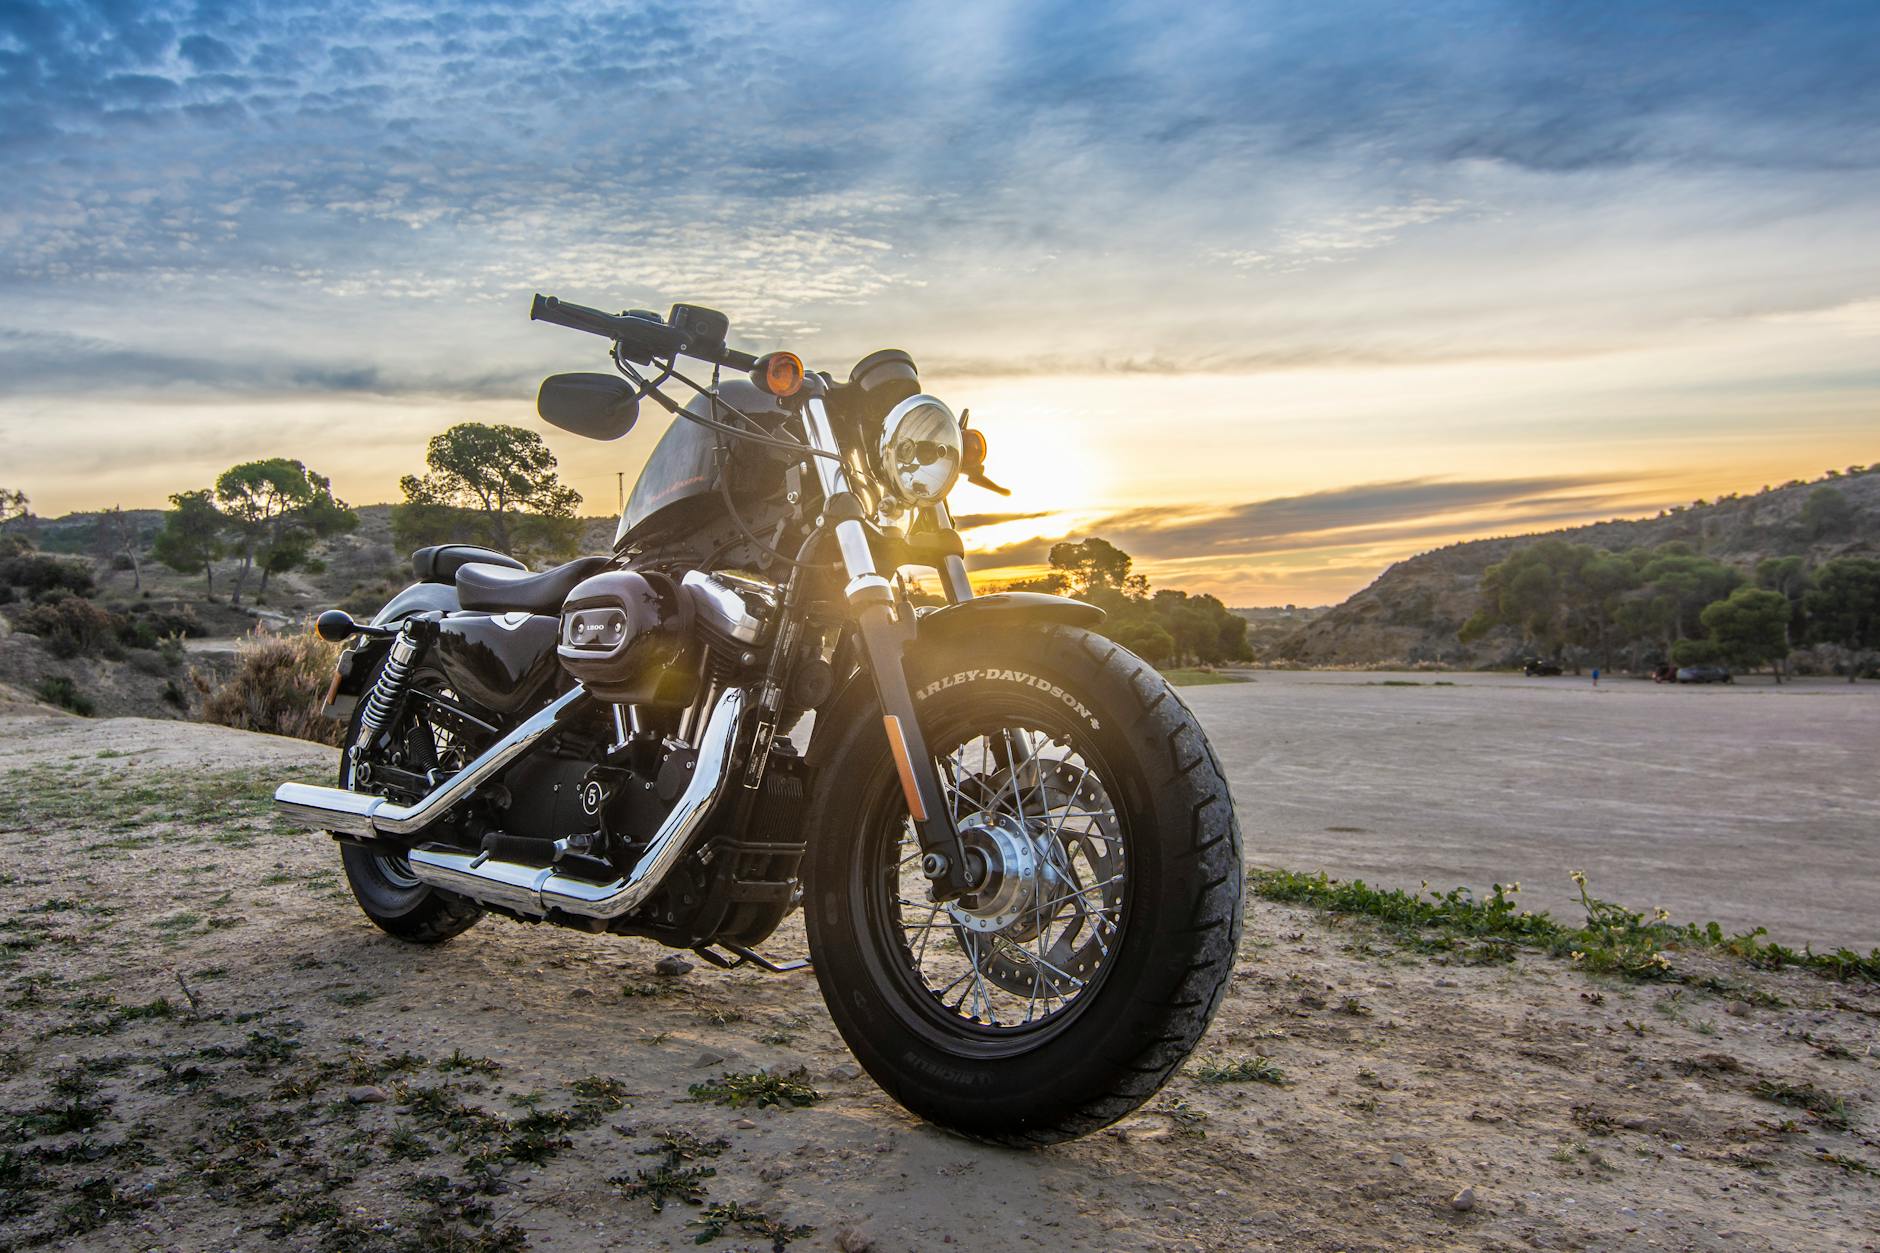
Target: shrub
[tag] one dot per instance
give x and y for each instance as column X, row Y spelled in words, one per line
column 165, row 620
column 35, row 575
column 72, row 626
column 58, row 690
column 278, row 686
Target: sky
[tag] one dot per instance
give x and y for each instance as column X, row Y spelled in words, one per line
column 1271, row 295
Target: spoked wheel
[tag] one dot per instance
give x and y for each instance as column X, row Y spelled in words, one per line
column 1031, row 806
column 424, row 738
column 1084, row 968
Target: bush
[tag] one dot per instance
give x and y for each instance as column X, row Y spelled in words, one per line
column 278, row 686
column 166, row 620
column 34, row 576
column 58, row 690
column 72, row 626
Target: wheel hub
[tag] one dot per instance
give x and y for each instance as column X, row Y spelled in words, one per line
column 1014, row 874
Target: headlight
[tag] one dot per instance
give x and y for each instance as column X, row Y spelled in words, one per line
column 920, row 450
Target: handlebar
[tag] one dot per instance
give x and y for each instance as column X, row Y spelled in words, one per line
column 644, row 338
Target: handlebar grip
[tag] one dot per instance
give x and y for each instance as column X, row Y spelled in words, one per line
column 643, row 339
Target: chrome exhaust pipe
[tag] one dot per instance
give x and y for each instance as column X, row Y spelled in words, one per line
column 358, row 813
column 537, row 890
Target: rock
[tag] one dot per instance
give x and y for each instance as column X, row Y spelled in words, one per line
column 842, row 1074
column 1463, row 1201
column 1396, row 1159
column 853, row 1240
column 672, row 966
column 366, row 1094
column 708, row 1058
column 1445, row 983
column 744, row 1124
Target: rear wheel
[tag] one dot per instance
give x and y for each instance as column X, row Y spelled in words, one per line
column 1065, row 991
column 390, row 895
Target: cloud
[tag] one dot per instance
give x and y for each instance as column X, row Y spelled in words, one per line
column 971, row 521
column 1367, row 515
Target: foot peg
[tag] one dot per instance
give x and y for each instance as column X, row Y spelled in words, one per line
column 741, row 956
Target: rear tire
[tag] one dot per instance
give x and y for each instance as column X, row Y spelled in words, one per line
column 1032, row 1075
column 382, row 883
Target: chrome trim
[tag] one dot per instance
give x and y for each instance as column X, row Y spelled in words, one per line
column 536, row 890
column 729, row 613
column 857, row 555
column 354, row 813
column 952, row 569
column 902, row 480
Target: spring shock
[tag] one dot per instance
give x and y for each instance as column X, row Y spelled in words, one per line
column 386, row 690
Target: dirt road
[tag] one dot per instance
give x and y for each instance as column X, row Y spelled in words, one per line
column 207, row 1047
column 1750, row 804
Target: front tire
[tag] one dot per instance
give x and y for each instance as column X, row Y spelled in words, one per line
column 1091, row 981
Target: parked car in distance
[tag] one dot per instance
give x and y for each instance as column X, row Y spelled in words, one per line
column 1665, row 673
column 1704, row 674
column 1536, row 668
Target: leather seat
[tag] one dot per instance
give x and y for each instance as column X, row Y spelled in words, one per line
column 440, row 562
column 497, row 589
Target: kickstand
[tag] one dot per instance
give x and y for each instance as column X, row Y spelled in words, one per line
column 741, row 956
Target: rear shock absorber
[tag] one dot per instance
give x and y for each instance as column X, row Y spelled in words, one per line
column 386, row 691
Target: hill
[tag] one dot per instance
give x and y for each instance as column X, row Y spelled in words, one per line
column 1411, row 614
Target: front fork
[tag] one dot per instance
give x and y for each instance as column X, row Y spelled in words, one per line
column 884, row 638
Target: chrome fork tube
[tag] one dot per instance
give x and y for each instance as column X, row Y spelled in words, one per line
column 851, row 536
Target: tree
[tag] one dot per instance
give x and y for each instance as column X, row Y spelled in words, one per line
column 1750, row 628
column 1678, row 584
column 1789, row 576
column 275, row 509
column 500, row 478
column 191, row 538
column 1826, row 513
column 116, row 537
column 14, row 507
column 1844, row 608
column 1091, row 564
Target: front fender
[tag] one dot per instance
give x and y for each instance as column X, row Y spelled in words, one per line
column 980, row 618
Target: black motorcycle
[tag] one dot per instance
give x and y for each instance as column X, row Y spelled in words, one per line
column 1015, row 848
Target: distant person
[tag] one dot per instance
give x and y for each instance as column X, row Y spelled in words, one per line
column 1595, row 676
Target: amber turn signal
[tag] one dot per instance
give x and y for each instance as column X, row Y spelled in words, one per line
column 780, row 374
column 972, row 449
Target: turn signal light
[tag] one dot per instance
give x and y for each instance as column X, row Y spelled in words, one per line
column 972, row 449
column 780, row 374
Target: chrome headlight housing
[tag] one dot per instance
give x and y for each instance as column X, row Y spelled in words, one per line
column 919, row 453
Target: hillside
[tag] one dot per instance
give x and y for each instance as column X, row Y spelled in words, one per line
column 1411, row 614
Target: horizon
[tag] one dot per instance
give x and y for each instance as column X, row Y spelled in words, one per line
column 1479, row 270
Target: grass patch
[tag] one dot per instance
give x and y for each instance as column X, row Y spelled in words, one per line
column 1612, row 940
column 35, row 798
column 1830, row 1109
column 757, row 1088
column 716, row 1220
column 1254, row 1069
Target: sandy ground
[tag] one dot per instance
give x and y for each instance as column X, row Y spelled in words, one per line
column 1751, row 804
column 309, row 1083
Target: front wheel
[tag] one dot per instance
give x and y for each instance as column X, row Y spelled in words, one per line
column 1063, row 992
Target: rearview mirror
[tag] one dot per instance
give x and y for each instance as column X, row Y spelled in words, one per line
column 598, row 406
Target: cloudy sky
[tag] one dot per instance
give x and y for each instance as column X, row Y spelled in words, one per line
column 1269, row 294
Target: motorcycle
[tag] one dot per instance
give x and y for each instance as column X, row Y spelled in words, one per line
column 1018, row 859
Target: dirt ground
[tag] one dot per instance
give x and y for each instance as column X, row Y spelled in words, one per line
column 1751, row 804
column 205, row 1046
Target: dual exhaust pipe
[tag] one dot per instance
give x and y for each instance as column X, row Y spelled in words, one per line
column 536, row 891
